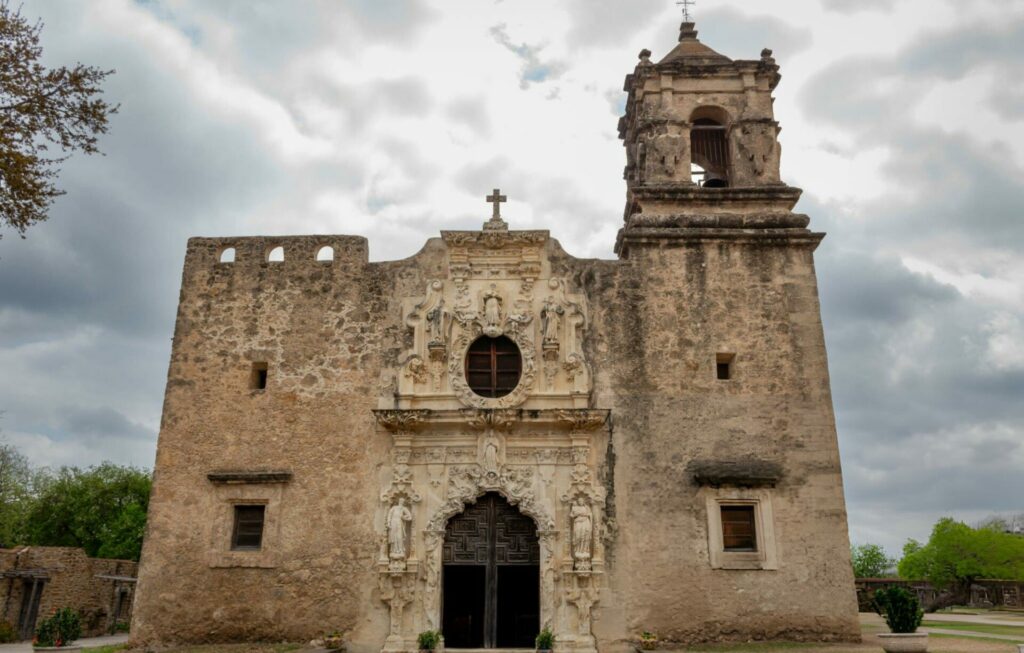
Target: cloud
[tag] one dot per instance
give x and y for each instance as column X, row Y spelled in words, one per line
column 534, row 69
column 603, row 23
column 741, row 36
column 852, row 6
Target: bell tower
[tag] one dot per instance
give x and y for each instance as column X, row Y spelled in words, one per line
column 701, row 142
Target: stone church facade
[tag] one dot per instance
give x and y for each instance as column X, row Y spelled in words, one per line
column 493, row 437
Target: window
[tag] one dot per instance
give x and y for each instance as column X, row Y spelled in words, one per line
column 723, row 366
column 276, row 255
column 325, row 254
column 493, row 366
column 258, row 377
column 247, row 534
column 738, row 530
column 709, row 147
column 227, row 255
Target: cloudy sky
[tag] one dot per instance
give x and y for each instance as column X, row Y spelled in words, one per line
column 903, row 122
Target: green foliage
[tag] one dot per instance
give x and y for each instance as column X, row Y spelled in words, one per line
column 428, row 640
column 101, row 509
column 545, row 640
column 7, row 633
column 40, row 108
column 900, row 607
column 956, row 554
column 16, row 494
column 870, row 561
column 61, row 629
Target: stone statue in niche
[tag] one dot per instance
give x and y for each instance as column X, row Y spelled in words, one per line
column 436, row 323
column 551, row 319
column 492, row 307
column 398, row 518
column 491, row 455
column 582, row 533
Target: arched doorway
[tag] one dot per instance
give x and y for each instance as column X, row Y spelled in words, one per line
column 491, row 577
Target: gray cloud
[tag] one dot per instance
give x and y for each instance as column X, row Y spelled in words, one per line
column 605, row 23
column 534, row 70
column 740, row 36
column 852, row 6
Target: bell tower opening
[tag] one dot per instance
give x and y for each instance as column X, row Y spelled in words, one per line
column 491, row 577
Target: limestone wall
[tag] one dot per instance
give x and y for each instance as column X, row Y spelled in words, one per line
column 334, row 337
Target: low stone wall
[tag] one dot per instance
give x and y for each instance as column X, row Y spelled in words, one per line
column 37, row 581
column 985, row 593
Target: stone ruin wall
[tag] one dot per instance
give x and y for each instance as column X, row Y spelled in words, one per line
column 71, row 581
column 333, row 334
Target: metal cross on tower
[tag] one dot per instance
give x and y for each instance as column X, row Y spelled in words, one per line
column 496, row 198
column 686, row 4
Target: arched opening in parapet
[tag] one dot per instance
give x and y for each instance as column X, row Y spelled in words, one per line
column 325, row 254
column 227, row 255
column 491, row 577
column 709, row 147
column 276, row 255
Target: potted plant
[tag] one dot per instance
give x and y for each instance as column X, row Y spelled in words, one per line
column 334, row 640
column 428, row 640
column 648, row 641
column 903, row 614
column 545, row 640
column 59, row 632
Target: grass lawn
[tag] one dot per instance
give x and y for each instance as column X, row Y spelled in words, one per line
column 991, row 629
column 208, row 648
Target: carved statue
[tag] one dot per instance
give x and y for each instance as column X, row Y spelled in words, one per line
column 491, row 455
column 551, row 319
column 492, row 307
column 435, row 323
column 398, row 518
column 582, row 532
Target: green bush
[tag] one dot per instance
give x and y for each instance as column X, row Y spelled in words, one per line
column 545, row 640
column 7, row 633
column 900, row 607
column 428, row 640
column 61, row 629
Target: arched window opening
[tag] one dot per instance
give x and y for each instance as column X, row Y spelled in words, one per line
column 276, row 255
column 493, row 366
column 325, row 254
column 227, row 255
column 709, row 151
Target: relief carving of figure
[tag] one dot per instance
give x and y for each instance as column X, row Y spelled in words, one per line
column 492, row 307
column 435, row 323
column 551, row 319
column 582, row 532
column 397, row 521
column 491, row 455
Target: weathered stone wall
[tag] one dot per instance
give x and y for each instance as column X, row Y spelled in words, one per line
column 332, row 335
column 71, row 580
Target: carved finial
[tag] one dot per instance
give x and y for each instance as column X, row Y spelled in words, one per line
column 496, row 223
column 645, row 56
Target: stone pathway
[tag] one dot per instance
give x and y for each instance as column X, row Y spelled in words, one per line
column 972, row 633
column 87, row 642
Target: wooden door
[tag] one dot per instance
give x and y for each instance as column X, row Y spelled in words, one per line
column 491, row 590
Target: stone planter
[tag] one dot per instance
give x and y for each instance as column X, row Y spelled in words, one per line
column 334, row 643
column 74, row 648
column 904, row 642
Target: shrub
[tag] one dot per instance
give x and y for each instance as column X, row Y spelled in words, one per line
column 545, row 640
column 61, row 629
column 900, row 607
column 428, row 640
column 7, row 633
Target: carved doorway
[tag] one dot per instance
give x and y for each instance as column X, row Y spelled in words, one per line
column 491, row 577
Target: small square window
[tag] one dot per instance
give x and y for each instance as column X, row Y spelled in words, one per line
column 723, row 364
column 258, row 377
column 738, row 530
column 247, row 534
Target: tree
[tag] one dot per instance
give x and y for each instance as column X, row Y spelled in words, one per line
column 956, row 555
column 40, row 108
column 870, row 561
column 101, row 509
column 15, row 495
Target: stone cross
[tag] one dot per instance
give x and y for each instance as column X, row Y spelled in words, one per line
column 496, row 223
column 686, row 4
column 496, row 198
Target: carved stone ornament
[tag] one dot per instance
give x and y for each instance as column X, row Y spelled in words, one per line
column 401, row 421
column 457, row 368
column 467, row 483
